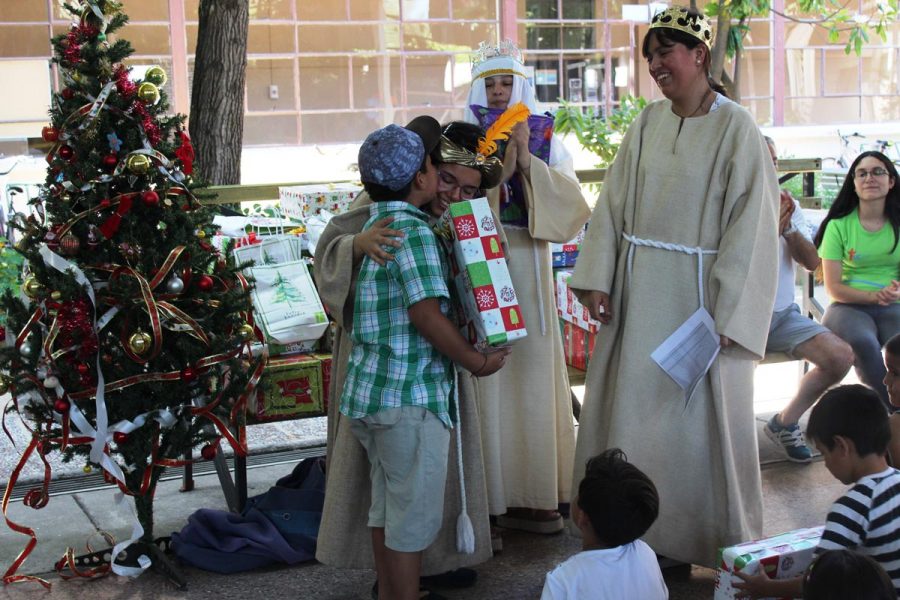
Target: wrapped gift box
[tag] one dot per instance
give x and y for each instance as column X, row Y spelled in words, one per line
column 301, row 201
column 569, row 308
column 325, row 370
column 290, row 387
column 490, row 306
column 783, row 556
column 564, row 255
column 578, row 344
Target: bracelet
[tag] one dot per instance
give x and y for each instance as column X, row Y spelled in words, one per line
column 791, row 229
column 481, row 368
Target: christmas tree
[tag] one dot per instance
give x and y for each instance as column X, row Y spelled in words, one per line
column 130, row 343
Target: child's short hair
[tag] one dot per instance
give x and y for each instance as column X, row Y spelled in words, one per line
column 843, row 574
column 893, row 345
column 854, row 412
column 618, row 498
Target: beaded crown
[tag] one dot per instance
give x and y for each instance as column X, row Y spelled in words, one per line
column 488, row 52
column 678, row 17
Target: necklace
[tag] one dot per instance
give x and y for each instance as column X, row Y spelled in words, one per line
column 702, row 102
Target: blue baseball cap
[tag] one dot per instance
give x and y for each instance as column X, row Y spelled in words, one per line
column 391, row 156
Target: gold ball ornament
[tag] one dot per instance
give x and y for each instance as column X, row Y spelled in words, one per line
column 138, row 164
column 245, row 331
column 55, row 295
column 77, row 77
column 156, row 75
column 201, row 234
column 4, row 386
column 148, row 93
column 32, row 287
column 87, row 468
column 140, row 343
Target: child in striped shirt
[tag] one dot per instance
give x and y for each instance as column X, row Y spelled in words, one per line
column 849, row 426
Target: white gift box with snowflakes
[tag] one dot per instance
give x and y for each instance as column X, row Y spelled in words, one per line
column 491, row 309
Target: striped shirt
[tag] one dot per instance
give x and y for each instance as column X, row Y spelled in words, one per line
column 867, row 519
column 391, row 364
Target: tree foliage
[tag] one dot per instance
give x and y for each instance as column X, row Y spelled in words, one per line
column 596, row 133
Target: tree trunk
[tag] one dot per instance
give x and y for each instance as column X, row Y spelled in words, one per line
column 718, row 53
column 217, row 95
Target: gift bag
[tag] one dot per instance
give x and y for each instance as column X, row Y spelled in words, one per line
column 541, row 127
column 269, row 250
column 285, row 302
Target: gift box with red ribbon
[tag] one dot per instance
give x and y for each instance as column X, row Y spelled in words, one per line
column 290, row 387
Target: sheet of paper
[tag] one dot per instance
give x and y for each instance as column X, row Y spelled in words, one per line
column 687, row 354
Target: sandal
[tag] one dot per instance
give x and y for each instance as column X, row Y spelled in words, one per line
column 532, row 520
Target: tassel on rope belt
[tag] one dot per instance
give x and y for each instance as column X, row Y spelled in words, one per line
column 697, row 250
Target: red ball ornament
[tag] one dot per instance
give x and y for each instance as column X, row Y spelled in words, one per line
column 61, row 406
column 66, row 153
column 188, row 374
column 120, row 437
column 110, row 161
column 2, row 334
column 105, row 203
column 83, row 369
column 69, row 244
column 49, row 133
column 205, row 283
column 68, row 93
column 208, row 452
column 150, row 198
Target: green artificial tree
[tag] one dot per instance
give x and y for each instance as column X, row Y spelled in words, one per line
column 130, row 343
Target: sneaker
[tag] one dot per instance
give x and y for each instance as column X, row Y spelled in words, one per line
column 790, row 439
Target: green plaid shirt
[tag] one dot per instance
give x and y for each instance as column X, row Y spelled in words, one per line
column 391, row 364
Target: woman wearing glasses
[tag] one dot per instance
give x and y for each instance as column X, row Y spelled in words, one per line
column 857, row 242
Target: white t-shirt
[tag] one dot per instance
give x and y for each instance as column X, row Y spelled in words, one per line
column 629, row 571
column 784, row 296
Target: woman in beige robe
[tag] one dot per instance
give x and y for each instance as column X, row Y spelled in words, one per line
column 528, row 431
column 693, row 170
column 344, row 536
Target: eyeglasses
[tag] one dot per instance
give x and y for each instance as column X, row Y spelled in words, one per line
column 863, row 174
column 467, row 192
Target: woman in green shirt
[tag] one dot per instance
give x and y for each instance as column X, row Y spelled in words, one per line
column 858, row 244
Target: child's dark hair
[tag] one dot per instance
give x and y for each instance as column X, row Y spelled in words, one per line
column 618, row 498
column 854, row 412
column 380, row 193
column 893, row 345
column 847, row 575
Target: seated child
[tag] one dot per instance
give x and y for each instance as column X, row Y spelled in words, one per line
column 616, row 504
column 846, row 575
column 399, row 375
column 892, row 383
column 849, row 426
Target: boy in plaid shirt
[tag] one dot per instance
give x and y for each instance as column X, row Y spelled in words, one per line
column 399, row 379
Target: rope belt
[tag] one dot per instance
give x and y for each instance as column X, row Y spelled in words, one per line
column 697, row 250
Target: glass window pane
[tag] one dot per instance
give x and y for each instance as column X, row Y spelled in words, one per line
column 323, row 10
column 475, row 9
column 759, row 34
column 427, row 81
column 270, row 9
column 755, row 73
column 801, row 73
column 191, row 9
column 23, row 11
column 376, row 82
column 436, row 36
column 147, row 39
column 583, row 78
column 270, row 129
column 802, row 35
column 324, row 82
column 374, row 10
column 542, row 37
column 461, row 76
column 190, row 32
column 879, row 108
column 841, row 72
column 24, row 40
column 546, row 77
column 352, row 127
column 884, row 63
column 580, row 38
column 761, row 109
column 340, row 38
column 623, row 74
column 261, row 75
column 538, row 9
column 146, row 10
column 620, row 36
column 580, row 9
column 820, row 111
column 270, row 39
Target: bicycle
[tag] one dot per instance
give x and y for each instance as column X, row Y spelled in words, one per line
column 849, row 150
column 889, row 149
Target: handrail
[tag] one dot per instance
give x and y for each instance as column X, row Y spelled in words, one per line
column 234, row 194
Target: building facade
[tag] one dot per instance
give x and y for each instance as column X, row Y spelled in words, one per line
column 329, row 71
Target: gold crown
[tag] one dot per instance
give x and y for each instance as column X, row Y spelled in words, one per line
column 678, row 17
column 488, row 51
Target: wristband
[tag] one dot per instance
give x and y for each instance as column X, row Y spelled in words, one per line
column 481, row 368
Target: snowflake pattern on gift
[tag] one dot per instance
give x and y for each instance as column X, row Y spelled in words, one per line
column 507, row 294
column 485, row 299
column 466, row 228
column 487, row 223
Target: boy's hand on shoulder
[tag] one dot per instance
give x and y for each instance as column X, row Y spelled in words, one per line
column 494, row 360
column 370, row 241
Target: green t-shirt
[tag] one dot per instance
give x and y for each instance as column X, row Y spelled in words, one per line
column 867, row 262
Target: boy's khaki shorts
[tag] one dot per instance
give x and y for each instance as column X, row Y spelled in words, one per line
column 408, row 449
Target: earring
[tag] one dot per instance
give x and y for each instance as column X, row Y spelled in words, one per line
column 698, row 63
